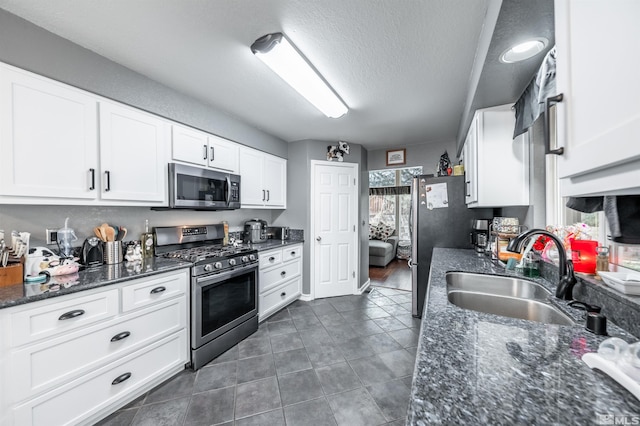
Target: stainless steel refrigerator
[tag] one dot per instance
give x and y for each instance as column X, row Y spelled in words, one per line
column 439, row 218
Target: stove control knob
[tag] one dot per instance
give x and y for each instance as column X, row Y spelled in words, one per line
column 252, row 257
column 217, row 265
column 208, row 267
column 245, row 259
column 232, row 262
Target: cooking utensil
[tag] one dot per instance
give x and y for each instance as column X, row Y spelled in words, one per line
column 122, row 233
column 97, row 231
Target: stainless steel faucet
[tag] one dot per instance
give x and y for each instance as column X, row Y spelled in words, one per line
column 567, row 279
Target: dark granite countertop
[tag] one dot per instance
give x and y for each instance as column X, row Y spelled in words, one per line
column 272, row 244
column 477, row 368
column 86, row 279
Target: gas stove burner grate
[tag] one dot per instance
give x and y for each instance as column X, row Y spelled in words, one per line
column 212, row 253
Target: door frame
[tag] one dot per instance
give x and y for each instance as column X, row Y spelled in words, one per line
column 356, row 235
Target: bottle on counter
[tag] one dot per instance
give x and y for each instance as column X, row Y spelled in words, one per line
column 602, row 260
column 147, row 241
column 225, row 240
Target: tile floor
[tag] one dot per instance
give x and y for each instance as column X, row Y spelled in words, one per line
column 339, row 361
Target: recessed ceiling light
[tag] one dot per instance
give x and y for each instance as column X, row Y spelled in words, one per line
column 524, row 50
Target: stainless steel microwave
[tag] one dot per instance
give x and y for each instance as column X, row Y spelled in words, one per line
column 198, row 188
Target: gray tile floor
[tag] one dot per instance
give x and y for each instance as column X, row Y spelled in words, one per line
column 339, row 361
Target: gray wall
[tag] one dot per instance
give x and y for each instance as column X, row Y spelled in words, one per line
column 30, row 47
column 426, row 155
column 298, row 214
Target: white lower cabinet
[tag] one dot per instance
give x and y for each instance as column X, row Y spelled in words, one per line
column 77, row 371
column 280, row 281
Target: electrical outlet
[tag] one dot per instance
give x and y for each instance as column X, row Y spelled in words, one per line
column 52, row 235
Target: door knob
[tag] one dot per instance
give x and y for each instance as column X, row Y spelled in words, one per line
column 318, row 238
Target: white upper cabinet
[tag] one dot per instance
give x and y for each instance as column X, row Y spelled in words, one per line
column 598, row 119
column 264, row 179
column 224, row 154
column 132, row 154
column 189, row 145
column 48, row 138
column 62, row 145
column 195, row 147
column 496, row 165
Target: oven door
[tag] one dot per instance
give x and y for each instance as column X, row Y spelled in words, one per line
column 221, row 302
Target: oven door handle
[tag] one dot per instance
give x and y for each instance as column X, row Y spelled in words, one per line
column 228, row 179
column 211, row 279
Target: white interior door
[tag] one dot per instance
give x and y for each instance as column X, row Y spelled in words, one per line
column 334, row 217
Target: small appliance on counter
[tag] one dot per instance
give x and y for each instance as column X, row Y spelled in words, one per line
column 255, row 231
column 278, row 232
column 480, row 234
column 92, row 252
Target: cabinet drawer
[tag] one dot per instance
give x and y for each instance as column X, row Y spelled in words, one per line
column 270, row 258
column 271, row 301
column 153, row 290
column 278, row 275
column 81, row 398
column 44, row 365
column 50, row 319
column 290, row 253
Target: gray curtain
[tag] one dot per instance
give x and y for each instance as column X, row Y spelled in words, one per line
column 532, row 101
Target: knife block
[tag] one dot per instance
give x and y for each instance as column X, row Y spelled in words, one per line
column 11, row 274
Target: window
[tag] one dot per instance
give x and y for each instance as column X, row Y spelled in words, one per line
column 390, row 198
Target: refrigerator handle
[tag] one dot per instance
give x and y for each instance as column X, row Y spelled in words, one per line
column 410, row 263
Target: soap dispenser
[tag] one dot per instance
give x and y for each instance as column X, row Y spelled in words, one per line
column 147, row 241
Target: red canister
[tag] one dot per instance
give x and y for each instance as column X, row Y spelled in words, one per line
column 583, row 255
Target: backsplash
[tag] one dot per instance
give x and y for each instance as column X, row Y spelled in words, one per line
column 82, row 219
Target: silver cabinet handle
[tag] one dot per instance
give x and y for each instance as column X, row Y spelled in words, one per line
column 271, row 259
column 93, row 179
column 121, row 379
column 263, row 195
column 283, row 273
column 108, row 175
column 120, row 336
column 213, row 156
column 318, row 238
column 283, row 294
column 547, row 124
column 268, row 195
column 71, row 314
column 205, row 152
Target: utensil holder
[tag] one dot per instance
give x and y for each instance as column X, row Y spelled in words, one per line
column 112, row 252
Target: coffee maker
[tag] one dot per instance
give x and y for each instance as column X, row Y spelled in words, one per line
column 480, row 234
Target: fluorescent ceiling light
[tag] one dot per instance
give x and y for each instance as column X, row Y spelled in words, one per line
column 524, row 50
column 284, row 59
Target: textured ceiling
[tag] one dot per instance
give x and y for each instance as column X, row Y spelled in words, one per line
column 402, row 67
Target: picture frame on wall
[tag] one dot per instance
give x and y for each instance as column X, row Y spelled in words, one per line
column 396, row 157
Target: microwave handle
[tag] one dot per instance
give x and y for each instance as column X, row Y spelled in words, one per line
column 228, row 189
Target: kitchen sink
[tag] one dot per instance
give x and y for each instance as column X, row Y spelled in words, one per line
column 506, row 296
column 497, row 285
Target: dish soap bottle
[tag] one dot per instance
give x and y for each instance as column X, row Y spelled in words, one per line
column 147, row 240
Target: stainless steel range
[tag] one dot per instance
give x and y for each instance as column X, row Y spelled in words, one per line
column 224, row 287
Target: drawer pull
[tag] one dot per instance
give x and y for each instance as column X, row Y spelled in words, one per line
column 121, row 378
column 158, row 290
column 293, row 253
column 283, row 273
column 71, row 314
column 271, row 259
column 120, row 336
column 283, row 294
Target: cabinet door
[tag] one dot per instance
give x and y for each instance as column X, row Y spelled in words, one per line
column 224, row 154
column 48, row 137
column 253, row 188
column 599, row 117
column 275, row 178
column 132, row 155
column 470, row 163
column 189, row 145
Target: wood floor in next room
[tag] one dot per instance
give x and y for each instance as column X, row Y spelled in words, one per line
column 395, row 275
